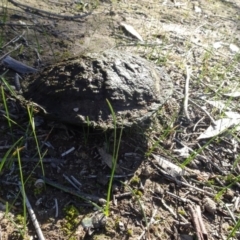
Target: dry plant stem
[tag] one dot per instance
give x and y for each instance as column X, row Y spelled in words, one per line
column 182, row 38
column 177, row 197
column 71, row 182
column 56, row 207
column 13, row 40
column 76, row 181
column 20, row 25
column 167, row 176
column 126, row 194
column 36, row 10
column 186, row 93
column 236, row 203
column 45, row 160
column 5, row 202
column 198, row 222
column 115, row 176
column 5, row 147
column 6, row 54
column 196, row 188
column 231, row 214
column 194, row 128
column 206, row 112
column 32, row 216
column 85, row 196
column 168, row 208
column 200, row 157
column 125, row 37
column 182, row 224
column 38, row 55
column 202, row 109
column 68, row 151
column 203, row 228
column 149, row 224
column 211, row 87
column 3, row 113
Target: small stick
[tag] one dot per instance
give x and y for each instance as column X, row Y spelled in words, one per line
column 45, row 160
column 202, row 109
column 32, row 215
column 13, row 40
column 87, row 197
column 169, row 177
column 185, row 106
column 177, row 197
column 17, row 66
column 152, row 220
column 42, row 12
column 17, row 82
column 68, row 151
column 76, row 181
column 6, row 54
column 38, row 55
column 196, row 223
column 231, row 214
column 115, row 176
column 203, row 228
column 56, row 206
column 126, row 194
column 205, row 111
column 71, row 182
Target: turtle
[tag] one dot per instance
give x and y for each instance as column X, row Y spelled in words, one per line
column 101, row 90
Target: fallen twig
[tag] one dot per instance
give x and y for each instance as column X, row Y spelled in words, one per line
column 169, row 177
column 6, row 54
column 230, row 213
column 68, row 151
column 56, row 207
column 202, row 109
column 45, row 160
column 198, row 222
column 17, row 66
column 152, row 220
column 71, row 182
column 87, row 197
column 13, row 40
column 46, row 13
column 185, row 106
column 32, row 214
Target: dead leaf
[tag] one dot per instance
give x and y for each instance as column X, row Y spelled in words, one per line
column 221, row 126
column 132, row 31
column 169, row 167
column 217, row 104
column 197, row 9
column 233, row 115
column 183, row 152
column 107, row 159
column 232, row 94
column 217, row 45
column 234, row 48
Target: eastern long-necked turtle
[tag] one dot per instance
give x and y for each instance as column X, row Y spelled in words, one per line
column 76, row 91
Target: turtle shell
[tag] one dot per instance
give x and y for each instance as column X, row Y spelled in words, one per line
column 76, row 91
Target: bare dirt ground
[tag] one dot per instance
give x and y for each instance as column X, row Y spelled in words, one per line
column 202, row 36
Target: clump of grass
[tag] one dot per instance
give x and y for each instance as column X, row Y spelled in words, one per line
column 135, row 180
column 71, row 217
column 32, row 124
column 116, row 146
column 234, row 230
